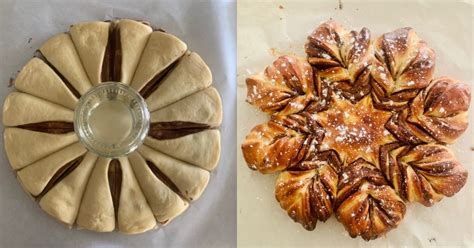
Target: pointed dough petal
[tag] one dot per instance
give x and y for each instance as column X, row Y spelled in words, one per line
column 190, row 180
column 165, row 204
column 190, row 75
column 133, row 38
column 24, row 147
column 97, row 209
column 38, row 79
column 20, row 108
column 90, row 40
column 201, row 149
column 203, row 107
column 161, row 50
column 35, row 177
column 134, row 213
column 61, row 53
column 63, row 200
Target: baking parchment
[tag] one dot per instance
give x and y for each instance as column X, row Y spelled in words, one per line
column 209, row 29
column 269, row 29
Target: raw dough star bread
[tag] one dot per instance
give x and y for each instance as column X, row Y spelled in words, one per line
column 131, row 194
column 357, row 129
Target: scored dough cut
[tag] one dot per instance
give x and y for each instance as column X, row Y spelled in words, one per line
column 189, row 179
column 38, row 79
column 133, row 216
column 63, row 200
column 190, row 75
column 36, row 176
column 24, row 147
column 201, row 149
column 97, row 209
column 133, row 38
column 90, row 39
column 20, row 108
column 59, row 50
column 161, row 50
column 201, row 107
column 165, row 203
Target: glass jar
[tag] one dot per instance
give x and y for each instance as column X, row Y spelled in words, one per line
column 111, row 119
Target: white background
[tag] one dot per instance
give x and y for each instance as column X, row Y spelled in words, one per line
column 209, row 29
column 265, row 31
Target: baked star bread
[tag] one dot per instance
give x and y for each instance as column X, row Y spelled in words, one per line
column 357, row 129
column 136, row 192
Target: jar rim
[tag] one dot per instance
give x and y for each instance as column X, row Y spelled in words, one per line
column 108, row 91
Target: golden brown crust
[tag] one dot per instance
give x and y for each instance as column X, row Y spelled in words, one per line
column 404, row 64
column 441, row 109
column 281, row 143
column 286, row 87
column 360, row 158
column 366, row 205
column 308, row 194
column 342, row 57
column 436, row 114
column 406, row 131
column 355, row 130
column 424, row 173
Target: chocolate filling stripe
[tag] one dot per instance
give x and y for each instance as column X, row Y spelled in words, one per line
column 64, row 171
column 114, row 176
column 112, row 64
column 424, row 130
column 165, row 179
column 175, row 129
column 54, row 127
column 66, row 82
column 153, row 84
column 159, row 30
column 428, row 101
column 383, row 211
column 106, row 67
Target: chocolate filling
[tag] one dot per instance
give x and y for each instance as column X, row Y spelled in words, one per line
column 60, row 175
column 159, row 30
column 117, row 73
column 54, row 127
column 153, row 84
column 175, row 129
column 112, row 64
column 164, row 178
column 66, row 82
column 114, row 176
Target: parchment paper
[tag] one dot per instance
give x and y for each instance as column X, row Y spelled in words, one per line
column 209, row 29
column 268, row 29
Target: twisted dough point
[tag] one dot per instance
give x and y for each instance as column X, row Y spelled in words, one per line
column 441, row 109
column 286, row 87
column 366, row 205
column 342, row 58
column 404, row 64
column 308, row 195
column 437, row 114
column 424, row 173
column 281, row 143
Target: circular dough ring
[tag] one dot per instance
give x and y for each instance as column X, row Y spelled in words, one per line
column 131, row 194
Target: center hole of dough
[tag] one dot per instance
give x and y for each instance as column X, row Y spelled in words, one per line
column 111, row 121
